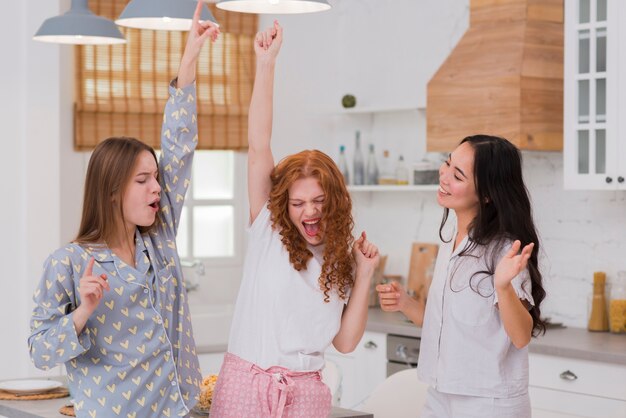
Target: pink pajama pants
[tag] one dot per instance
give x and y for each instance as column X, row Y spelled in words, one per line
column 244, row 390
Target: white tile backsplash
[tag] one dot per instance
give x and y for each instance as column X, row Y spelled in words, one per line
column 581, row 232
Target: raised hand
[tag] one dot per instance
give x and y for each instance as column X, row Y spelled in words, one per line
column 512, row 264
column 198, row 34
column 267, row 43
column 365, row 254
column 92, row 289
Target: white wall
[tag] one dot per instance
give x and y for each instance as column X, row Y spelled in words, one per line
column 582, row 232
column 13, row 285
column 382, row 51
column 36, row 114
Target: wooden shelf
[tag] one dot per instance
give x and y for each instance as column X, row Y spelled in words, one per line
column 369, row 109
column 395, row 188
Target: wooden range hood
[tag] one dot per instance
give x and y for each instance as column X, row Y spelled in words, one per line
column 504, row 77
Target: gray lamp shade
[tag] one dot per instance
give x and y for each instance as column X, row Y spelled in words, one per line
column 161, row 14
column 79, row 26
column 274, row 6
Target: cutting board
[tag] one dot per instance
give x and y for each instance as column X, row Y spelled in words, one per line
column 376, row 280
column 423, row 255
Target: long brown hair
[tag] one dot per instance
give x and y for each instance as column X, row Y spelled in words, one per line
column 110, row 169
column 336, row 223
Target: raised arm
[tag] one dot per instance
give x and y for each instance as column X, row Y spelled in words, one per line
column 179, row 134
column 198, row 34
column 260, row 159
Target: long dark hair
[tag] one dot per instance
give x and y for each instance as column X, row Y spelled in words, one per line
column 504, row 211
column 109, row 172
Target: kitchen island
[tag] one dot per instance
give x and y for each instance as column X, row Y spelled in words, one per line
column 50, row 409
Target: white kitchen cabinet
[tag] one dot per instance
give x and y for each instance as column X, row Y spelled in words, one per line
column 569, row 387
column 210, row 363
column 363, row 369
column 595, row 95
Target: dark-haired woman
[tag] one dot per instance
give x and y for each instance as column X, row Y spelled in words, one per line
column 112, row 304
column 483, row 303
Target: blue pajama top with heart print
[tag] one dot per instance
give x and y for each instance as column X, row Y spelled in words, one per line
column 136, row 356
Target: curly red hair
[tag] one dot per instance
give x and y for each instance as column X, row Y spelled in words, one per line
column 336, row 224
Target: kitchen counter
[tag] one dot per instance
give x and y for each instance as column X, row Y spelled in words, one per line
column 575, row 343
column 211, row 348
column 50, row 409
column 391, row 323
column 581, row 344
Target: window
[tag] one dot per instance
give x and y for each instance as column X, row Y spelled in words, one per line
column 213, row 219
column 120, row 89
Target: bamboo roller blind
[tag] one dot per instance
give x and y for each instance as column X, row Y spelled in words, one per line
column 120, row 90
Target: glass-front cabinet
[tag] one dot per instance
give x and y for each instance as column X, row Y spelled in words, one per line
column 595, row 94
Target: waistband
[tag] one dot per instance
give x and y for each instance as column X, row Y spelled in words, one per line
column 281, row 379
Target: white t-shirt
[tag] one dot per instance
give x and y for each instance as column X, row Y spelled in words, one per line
column 281, row 318
column 464, row 348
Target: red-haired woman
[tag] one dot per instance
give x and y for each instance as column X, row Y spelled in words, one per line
column 302, row 264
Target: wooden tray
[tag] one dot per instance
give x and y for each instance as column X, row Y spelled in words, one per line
column 53, row 394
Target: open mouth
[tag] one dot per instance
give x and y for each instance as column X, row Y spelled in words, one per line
column 442, row 191
column 311, row 227
column 155, row 205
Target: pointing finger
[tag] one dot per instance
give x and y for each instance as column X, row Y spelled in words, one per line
column 89, row 269
column 197, row 13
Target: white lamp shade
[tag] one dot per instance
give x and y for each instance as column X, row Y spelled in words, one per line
column 274, row 6
column 161, row 14
column 79, row 26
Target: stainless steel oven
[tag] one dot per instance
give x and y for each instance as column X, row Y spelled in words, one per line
column 402, row 353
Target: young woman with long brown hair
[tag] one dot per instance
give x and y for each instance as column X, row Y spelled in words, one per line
column 111, row 305
column 306, row 280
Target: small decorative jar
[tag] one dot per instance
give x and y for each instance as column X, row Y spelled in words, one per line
column 617, row 304
column 598, row 318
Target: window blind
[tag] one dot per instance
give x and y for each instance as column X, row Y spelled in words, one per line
column 120, row 90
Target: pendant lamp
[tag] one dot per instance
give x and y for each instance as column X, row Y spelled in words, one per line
column 161, row 14
column 79, row 26
column 274, row 6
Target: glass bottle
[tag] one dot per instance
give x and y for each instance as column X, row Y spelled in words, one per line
column 386, row 175
column 358, row 166
column 371, row 174
column 598, row 318
column 343, row 164
column 617, row 305
column 402, row 172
